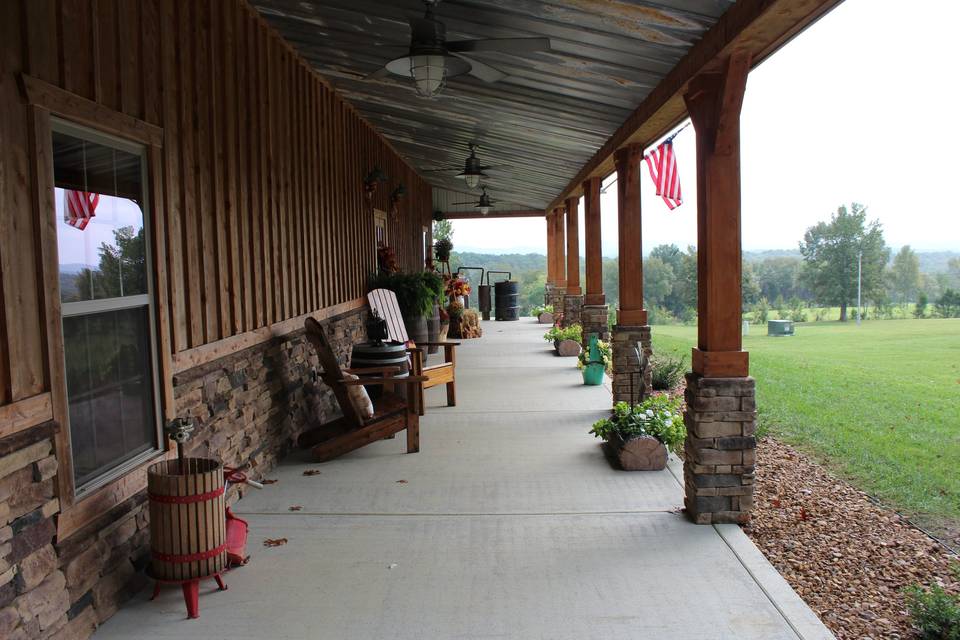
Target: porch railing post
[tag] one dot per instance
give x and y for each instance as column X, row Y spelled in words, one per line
column 720, row 452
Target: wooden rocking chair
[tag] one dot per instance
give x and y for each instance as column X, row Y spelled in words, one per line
column 384, row 302
column 392, row 413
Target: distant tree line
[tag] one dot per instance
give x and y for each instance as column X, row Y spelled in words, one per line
column 800, row 285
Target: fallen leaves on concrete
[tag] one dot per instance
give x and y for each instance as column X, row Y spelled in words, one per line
column 274, row 542
column 401, row 482
column 295, row 507
column 312, row 472
column 846, row 556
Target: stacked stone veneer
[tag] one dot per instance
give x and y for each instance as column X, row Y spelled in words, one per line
column 627, row 372
column 593, row 318
column 248, row 407
column 554, row 296
column 720, row 451
column 571, row 309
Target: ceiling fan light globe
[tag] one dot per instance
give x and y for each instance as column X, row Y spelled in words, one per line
column 429, row 74
column 472, row 180
column 484, row 210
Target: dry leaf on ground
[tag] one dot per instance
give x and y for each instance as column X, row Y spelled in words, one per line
column 295, row 507
column 274, row 542
column 312, row 472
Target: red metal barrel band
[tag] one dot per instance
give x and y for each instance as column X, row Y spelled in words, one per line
column 192, row 557
column 198, row 497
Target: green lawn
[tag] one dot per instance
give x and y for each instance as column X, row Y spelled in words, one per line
column 879, row 402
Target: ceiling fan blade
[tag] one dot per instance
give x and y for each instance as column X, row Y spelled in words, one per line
column 482, row 70
column 379, row 73
column 503, row 45
column 496, row 166
column 472, row 204
column 443, row 169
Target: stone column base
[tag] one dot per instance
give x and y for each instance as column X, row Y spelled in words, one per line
column 571, row 309
column 593, row 319
column 555, row 297
column 627, row 376
column 720, row 451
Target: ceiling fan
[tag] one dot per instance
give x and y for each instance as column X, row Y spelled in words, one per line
column 473, row 171
column 431, row 60
column 484, row 204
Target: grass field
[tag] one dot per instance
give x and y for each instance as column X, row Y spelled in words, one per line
column 880, row 403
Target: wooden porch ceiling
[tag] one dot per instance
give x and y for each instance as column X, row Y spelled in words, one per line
column 546, row 120
column 615, row 74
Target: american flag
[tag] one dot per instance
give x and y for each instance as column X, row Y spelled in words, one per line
column 662, row 163
column 79, row 207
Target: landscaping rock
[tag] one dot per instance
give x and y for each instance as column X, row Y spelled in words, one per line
column 846, row 556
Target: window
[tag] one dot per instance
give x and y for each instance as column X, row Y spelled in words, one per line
column 380, row 227
column 107, row 303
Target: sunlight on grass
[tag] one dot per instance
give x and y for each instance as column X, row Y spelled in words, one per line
column 879, row 402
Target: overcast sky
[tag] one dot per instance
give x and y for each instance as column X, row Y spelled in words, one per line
column 860, row 107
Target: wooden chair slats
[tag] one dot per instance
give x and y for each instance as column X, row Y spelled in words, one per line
column 392, row 412
column 384, row 302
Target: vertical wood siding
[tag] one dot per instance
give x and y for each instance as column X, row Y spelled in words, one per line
column 261, row 210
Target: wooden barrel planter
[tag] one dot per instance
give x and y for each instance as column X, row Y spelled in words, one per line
column 385, row 354
column 644, row 453
column 187, row 524
column 506, row 300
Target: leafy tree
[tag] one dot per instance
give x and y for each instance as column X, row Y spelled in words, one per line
column 658, row 281
column 122, row 269
column 953, row 272
column 948, row 304
column 830, row 252
column 920, row 310
column 749, row 284
column 905, row 275
column 778, row 278
column 442, row 229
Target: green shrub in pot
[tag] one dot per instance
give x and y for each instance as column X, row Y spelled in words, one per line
column 416, row 292
column 657, row 416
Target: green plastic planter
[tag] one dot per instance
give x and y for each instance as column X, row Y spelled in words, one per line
column 593, row 374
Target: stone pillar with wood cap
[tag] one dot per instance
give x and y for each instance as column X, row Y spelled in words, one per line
column 594, row 314
column 573, row 298
column 720, row 451
column 631, row 343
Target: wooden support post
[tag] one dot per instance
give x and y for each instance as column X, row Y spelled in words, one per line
column 631, row 312
column 714, row 101
column 551, row 275
column 560, row 264
column 573, row 247
column 594, row 250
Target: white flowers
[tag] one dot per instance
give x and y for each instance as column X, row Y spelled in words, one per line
column 649, row 413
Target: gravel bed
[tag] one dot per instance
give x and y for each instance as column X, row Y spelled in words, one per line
column 847, row 557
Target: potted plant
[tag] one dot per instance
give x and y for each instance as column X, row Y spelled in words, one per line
column 442, row 249
column 416, row 294
column 457, row 288
column 566, row 341
column 594, row 361
column 543, row 314
column 636, row 438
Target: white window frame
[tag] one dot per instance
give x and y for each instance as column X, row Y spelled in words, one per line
column 148, row 300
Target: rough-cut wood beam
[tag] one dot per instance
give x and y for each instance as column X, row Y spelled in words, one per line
column 714, row 102
column 472, row 215
column 573, row 247
column 592, row 243
column 753, row 27
column 630, row 311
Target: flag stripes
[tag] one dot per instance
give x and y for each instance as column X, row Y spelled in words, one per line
column 662, row 164
column 79, row 207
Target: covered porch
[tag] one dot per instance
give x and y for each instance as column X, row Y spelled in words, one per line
column 509, row 522
column 259, row 170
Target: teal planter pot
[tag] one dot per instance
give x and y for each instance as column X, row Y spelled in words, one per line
column 593, row 374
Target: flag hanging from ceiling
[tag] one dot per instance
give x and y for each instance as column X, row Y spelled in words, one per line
column 79, row 207
column 662, row 163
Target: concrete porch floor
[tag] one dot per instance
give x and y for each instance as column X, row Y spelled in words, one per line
column 510, row 524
